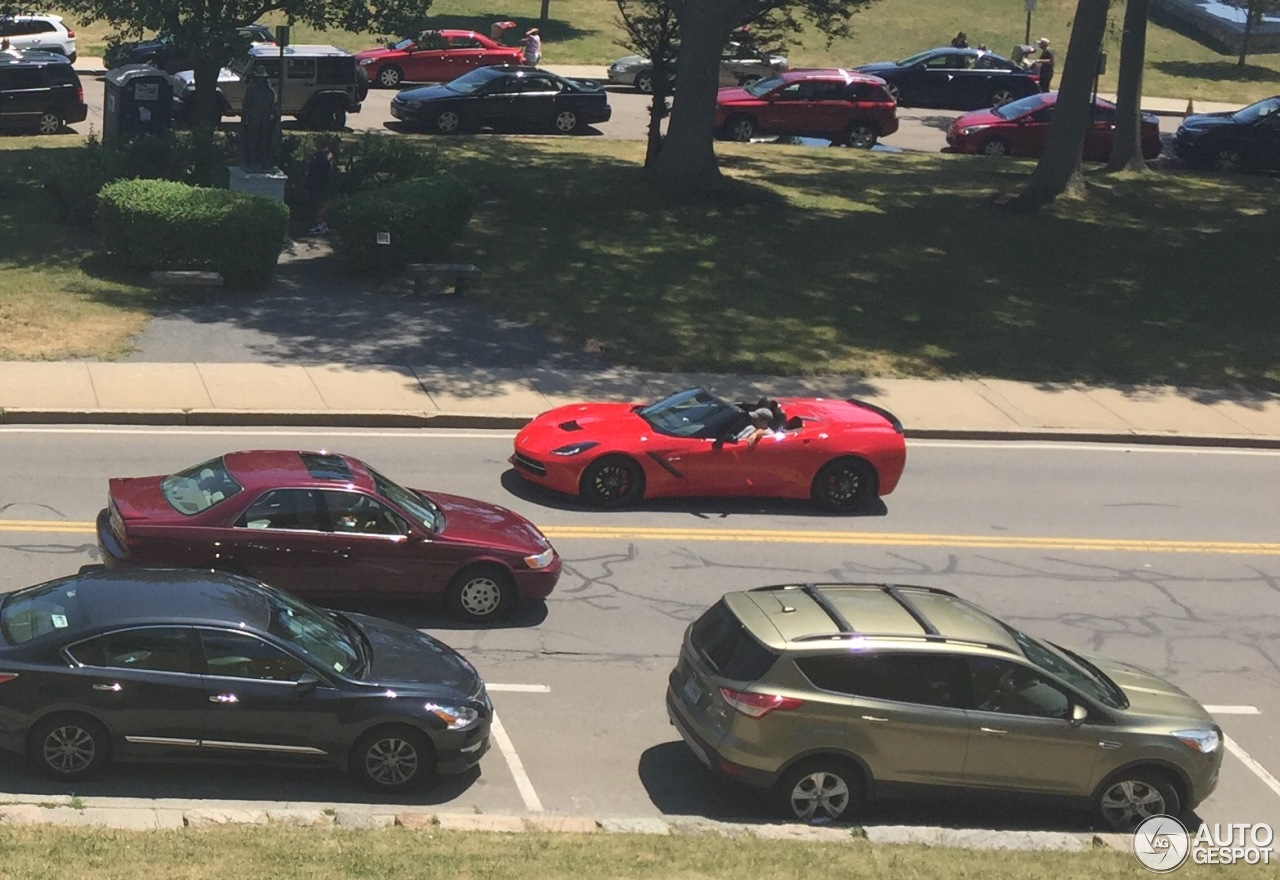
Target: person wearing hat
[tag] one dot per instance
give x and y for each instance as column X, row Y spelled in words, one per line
column 532, row 43
column 761, row 418
column 1045, row 65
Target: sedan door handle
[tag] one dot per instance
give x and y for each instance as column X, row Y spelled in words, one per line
column 874, row 719
column 114, row 687
column 994, row 731
column 344, row 553
column 224, row 698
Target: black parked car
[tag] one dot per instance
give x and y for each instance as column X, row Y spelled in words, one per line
column 164, row 664
column 1247, row 140
column 509, row 98
column 40, row 92
column 954, row 79
column 168, row 53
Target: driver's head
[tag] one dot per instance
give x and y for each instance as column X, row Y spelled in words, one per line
column 761, row 417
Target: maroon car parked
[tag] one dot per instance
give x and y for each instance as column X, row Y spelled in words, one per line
column 324, row 525
column 434, row 56
column 1021, row 127
column 846, row 108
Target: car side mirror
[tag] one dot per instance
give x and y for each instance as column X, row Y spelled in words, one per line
column 306, row 683
column 1079, row 714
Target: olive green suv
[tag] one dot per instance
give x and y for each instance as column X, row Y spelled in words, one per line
column 826, row 693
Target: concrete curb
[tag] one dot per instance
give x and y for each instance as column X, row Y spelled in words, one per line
column 260, row 418
column 62, row 813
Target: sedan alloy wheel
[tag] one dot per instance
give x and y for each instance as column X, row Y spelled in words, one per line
column 1227, row 159
column 862, row 135
column 49, row 122
column 448, row 122
column 566, row 122
column 389, row 77
column 480, row 593
column 994, row 147
column 1000, row 97
column 69, row 748
column 741, row 128
column 391, row 758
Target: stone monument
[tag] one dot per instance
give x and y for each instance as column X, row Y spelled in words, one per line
column 259, row 141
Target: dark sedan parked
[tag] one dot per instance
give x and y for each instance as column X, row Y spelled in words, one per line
column 163, row 664
column 954, row 79
column 326, row 525
column 168, row 52
column 506, row 98
column 1247, row 140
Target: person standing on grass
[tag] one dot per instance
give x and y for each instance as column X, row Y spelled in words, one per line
column 1045, row 65
column 532, row 43
column 319, row 177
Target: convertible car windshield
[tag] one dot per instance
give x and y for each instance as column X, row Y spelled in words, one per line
column 692, row 413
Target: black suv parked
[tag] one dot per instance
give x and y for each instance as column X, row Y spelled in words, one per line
column 168, row 53
column 40, row 91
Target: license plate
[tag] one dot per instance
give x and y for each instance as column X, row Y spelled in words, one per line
column 692, row 692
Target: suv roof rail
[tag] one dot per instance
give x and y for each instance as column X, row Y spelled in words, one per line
column 811, row 590
column 911, row 609
column 864, row 584
column 932, row 638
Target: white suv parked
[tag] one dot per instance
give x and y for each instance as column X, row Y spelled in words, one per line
column 43, row 33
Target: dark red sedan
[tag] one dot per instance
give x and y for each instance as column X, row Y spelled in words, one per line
column 846, row 108
column 1021, row 127
column 434, row 56
column 324, row 525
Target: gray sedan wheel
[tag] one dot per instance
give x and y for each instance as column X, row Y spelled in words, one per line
column 862, row 135
column 392, row 758
column 994, row 147
column 448, row 122
column 1227, row 159
column 1000, row 97
column 566, row 122
column 480, row 593
column 644, row 82
column 390, row 77
column 740, row 128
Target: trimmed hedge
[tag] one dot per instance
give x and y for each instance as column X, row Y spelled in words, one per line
column 423, row 216
column 161, row 224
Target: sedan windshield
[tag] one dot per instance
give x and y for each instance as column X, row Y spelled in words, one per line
column 762, row 86
column 1257, row 111
column 693, row 413
column 315, row 634
column 1073, row 670
column 912, row 60
column 421, row 508
column 1014, row 109
column 470, row 83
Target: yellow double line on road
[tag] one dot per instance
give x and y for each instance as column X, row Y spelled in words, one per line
column 793, row 536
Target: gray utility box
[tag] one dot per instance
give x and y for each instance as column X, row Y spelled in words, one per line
column 139, row 101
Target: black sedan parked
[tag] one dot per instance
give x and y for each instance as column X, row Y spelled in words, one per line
column 1247, row 140
column 168, row 52
column 954, row 79
column 161, row 664
column 506, row 98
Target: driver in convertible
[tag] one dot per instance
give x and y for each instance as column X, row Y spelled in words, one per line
column 761, row 424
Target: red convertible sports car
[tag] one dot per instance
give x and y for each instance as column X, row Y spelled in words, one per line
column 839, row 453
column 326, row 525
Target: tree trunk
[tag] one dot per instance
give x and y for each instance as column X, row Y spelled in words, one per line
column 1126, row 148
column 1249, row 14
column 1058, row 170
column 687, row 163
column 206, row 111
column 658, row 111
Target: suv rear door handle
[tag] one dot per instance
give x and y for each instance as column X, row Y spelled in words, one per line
column 994, row 731
column 874, row 719
column 114, row 687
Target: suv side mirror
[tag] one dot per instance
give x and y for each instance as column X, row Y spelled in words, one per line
column 1079, row 714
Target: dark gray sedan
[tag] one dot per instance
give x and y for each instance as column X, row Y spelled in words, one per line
column 954, row 79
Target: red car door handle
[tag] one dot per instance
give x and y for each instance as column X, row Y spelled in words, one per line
column 344, row 553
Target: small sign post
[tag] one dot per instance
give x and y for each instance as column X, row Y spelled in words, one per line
column 1031, row 7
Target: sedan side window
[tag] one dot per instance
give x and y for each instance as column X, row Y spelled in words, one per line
column 239, row 655
column 923, row 679
column 155, row 649
column 295, row 509
column 348, row 512
column 1014, row 689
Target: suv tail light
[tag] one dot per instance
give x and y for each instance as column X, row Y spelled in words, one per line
column 6, row 677
column 79, row 94
column 71, row 35
column 758, row 705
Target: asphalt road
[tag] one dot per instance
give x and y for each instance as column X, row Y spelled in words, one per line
column 1159, row 556
column 918, row 130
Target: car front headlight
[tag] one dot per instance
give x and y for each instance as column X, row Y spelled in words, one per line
column 454, row 717
column 1204, row 741
column 541, row 560
column 575, row 448
column 974, row 129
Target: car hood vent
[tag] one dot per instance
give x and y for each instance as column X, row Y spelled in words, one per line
column 571, row 425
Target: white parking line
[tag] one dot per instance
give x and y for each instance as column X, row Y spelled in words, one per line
column 1248, row 760
column 530, row 797
column 1232, row 710
column 518, row 689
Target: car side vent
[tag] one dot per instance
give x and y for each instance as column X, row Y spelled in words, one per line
column 571, row 425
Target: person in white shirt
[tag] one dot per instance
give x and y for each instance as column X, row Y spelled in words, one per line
column 532, row 47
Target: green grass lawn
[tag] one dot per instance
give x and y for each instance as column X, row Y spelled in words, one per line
column 811, row 261
column 275, row 853
column 585, row 32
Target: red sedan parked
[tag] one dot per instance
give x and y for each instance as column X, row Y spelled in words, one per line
column 846, row 108
column 325, row 525
column 842, row 454
column 1021, row 127
column 434, row 56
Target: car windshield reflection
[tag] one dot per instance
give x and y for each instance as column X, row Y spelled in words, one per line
column 470, row 83
column 762, row 86
column 692, row 413
column 1017, row 108
column 1260, row 110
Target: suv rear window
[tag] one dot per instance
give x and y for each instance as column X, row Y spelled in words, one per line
column 728, row 648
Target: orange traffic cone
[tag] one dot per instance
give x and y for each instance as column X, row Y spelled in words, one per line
column 1191, row 107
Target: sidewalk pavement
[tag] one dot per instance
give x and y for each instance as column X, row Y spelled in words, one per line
column 143, row 815
column 90, row 66
column 335, row 395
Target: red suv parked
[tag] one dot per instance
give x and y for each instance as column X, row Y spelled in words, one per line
column 848, row 108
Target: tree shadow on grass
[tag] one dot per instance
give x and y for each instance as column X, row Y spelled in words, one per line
column 1218, row 71
column 553, row 31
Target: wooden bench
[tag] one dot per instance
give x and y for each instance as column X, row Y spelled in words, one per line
column 186, row 279
column 460, row 273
